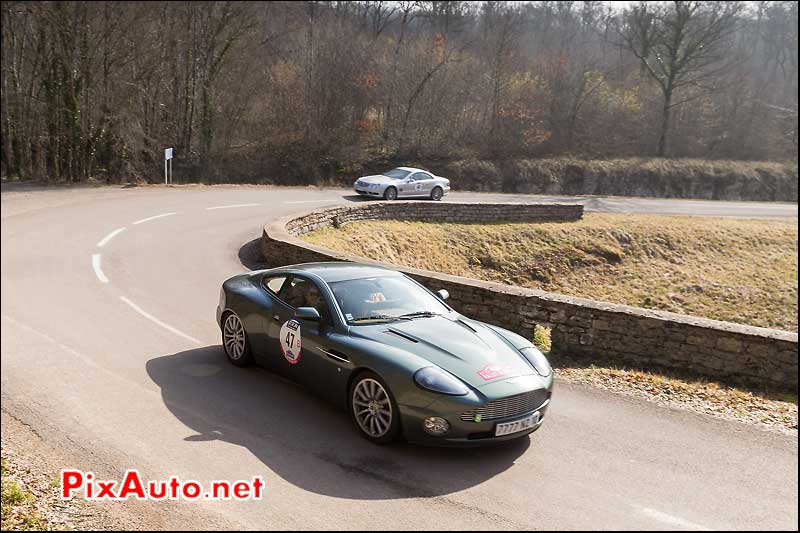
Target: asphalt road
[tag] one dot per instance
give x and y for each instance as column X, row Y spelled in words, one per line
column 110, row 350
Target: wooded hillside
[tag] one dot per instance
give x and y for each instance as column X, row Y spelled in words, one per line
column 296, row 92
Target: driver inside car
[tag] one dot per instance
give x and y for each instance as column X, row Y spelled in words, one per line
column 295, row 296
column 315, row 300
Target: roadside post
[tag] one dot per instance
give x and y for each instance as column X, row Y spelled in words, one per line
column 168, row 157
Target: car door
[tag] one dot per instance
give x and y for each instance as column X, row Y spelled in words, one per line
column 428, row 183
column 303, row 350
column 405, row 186
column 423, row 183
column 282, row 335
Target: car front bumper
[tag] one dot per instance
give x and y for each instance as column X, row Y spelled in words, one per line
column 366, row 191
column 462, row 433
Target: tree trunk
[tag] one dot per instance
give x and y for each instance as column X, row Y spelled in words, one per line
column 665, row 113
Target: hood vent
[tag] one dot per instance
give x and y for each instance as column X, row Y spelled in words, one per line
column 400, row 334
column 473, row 330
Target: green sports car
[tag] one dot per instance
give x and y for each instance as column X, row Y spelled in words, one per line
column 394, row 354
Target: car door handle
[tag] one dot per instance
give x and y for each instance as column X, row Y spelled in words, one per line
column 276, row 318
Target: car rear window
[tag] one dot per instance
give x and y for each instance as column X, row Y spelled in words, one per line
column 274, row 285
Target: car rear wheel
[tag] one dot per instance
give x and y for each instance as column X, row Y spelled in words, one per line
column 390, row 193
column 437, row 193
column 373, row 409
column 234, row 340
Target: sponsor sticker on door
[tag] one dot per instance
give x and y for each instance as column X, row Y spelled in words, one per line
column 291, row 343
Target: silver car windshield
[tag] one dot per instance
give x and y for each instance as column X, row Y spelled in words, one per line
column 397, row 173
column 392, row 298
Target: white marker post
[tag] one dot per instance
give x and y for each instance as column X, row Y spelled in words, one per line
column 167, row 157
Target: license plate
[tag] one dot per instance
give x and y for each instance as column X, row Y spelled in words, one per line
column 518, row 425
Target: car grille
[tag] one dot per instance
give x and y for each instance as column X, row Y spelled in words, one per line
column 506, row 407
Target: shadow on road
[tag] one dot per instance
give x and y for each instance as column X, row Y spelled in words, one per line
column 356, row 198
column 306, row 441
column 250, row 255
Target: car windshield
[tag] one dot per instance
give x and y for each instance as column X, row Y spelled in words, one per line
column 387, row 298
column 397, row 173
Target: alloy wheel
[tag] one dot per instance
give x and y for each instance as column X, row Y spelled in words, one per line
column 372, row 408
column 233, row 337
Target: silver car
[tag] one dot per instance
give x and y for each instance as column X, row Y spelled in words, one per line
column 403, row 182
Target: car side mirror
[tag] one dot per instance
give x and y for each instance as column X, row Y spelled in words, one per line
column 443, row 294
column 307, row 313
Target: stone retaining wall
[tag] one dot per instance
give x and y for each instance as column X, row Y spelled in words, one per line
column 581, row 328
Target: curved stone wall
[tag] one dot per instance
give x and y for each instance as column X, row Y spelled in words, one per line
column 582, row 328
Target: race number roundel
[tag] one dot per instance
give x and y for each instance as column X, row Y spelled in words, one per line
column 290, row 341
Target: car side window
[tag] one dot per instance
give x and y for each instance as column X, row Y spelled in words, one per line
column 301, row 292
column 273, row 284
column 423, row 176
column 416, row 176
column 293, row 292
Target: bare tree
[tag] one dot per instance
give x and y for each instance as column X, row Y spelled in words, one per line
column 680, row 45
column 312, row 90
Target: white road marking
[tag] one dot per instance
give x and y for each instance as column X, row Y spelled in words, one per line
column 672, row 520
column 231, row 206
column 97, row 270
column 110, row 236
column 311, row 201
column 148, row 219
column 153, row 319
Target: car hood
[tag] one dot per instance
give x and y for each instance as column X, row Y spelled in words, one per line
column 377, row 178
column 467, row 349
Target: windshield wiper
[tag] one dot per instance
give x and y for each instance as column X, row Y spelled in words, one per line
column 407, row 316
column 417, row 314
column 373, row 317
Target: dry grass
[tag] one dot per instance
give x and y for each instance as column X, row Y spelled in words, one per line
column 737, row 270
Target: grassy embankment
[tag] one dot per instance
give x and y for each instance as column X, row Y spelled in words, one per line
column 737, row 270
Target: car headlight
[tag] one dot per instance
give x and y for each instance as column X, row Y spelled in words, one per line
column 538, row 360
column 437, row 380
column 222, row 298
column 374, row 186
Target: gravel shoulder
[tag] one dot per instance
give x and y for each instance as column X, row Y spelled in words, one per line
column 31, row 469
column 771, row 412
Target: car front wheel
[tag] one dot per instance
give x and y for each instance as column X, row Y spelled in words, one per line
column 437, row 193
column 373, row 409
column 390, row 193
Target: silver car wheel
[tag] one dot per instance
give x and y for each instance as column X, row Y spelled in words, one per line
column 372, row 408
column 233, row 337
column 437, row 193
column 390, row 193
